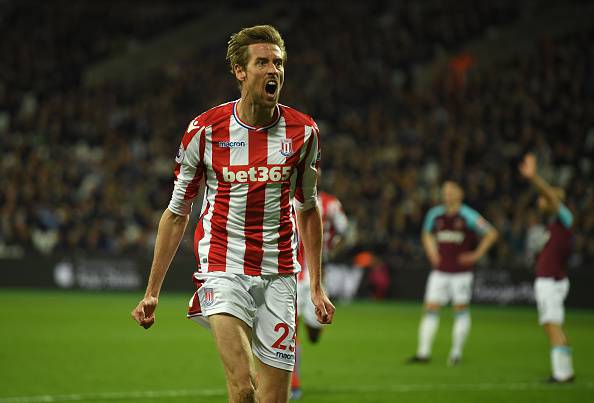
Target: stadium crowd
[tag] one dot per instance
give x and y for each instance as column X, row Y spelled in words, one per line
column 90, row 169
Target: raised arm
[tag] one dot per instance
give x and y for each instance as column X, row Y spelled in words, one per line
column 528, row 170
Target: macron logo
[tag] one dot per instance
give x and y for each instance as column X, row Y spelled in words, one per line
column 231, row 144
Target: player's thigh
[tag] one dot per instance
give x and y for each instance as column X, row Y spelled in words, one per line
column 226, row 301
column 233, row 340
column 273, row 333
column 227, row 293
column 550, row 297
column 437, row 290
column 461, row 288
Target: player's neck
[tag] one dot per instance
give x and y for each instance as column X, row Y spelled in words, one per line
column 452, row 209
column 254, row 114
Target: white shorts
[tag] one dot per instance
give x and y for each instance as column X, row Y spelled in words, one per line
column 550, row 295
column 266, row 304
column 305, row 307
column 444, row 287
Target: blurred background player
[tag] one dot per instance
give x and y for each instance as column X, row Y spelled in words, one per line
column 450, row 243
column 552, row 285
column 335, row 225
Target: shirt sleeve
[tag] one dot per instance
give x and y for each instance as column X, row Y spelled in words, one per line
column 189, row 170
column 430, row 217
column 475, row 221
column 307, row 177
column 565, row 216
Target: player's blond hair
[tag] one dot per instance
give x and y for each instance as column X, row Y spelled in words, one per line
column 237, row 47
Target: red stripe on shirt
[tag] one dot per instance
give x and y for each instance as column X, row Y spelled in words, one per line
column 221, row 157
column 254, row 209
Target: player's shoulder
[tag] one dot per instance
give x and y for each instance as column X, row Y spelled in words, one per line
column 294, row 117
column 467, row 211
column 436, row 211
column 213, row 115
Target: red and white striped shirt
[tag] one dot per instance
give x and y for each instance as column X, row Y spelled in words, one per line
column 253, row 177
column 334, row 223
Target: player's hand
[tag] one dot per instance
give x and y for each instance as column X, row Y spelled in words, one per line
column 144, row 313
column 468, row 258
column 324, row 308
column 528, row 166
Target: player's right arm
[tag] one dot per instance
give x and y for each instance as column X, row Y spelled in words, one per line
column 529, row 171
column 188, row 174
column 428, row 239
column 171, row 230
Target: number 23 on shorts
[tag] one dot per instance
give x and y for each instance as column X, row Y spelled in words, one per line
column 284, row 330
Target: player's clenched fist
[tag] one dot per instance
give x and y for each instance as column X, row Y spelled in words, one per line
column 144, row 313
column 324, row 308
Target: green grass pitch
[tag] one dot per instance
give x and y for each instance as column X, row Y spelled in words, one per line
column 65, row 347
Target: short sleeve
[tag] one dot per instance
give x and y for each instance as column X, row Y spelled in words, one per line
column 306, row 187
column 565, row 216
column 430, row 217
column 189, row 170
column 475, row 221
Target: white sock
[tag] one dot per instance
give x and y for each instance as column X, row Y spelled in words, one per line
column 561, row 362
column 427, row 330
column 460, row 332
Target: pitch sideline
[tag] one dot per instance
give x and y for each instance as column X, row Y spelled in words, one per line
column 162, row 394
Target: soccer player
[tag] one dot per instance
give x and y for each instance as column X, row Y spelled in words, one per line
column 551, row 285
column 258, row 159
column 449, row 237
column 335, row 225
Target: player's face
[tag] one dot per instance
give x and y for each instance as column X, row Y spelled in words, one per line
column 451, row 194
column 264, row 75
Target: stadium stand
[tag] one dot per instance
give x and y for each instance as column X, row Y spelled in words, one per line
column 75, row 159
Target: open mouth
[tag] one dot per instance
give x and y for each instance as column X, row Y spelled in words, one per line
column 271, row 87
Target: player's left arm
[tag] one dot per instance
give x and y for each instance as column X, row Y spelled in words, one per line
column 309, row 223
column 487, row 232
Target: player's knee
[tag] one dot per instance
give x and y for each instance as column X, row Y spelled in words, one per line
column 431, row 308
column 243, row 390
column 246, row 394
column 242, row 386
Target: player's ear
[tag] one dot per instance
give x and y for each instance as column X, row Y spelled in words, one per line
column 240, row 73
